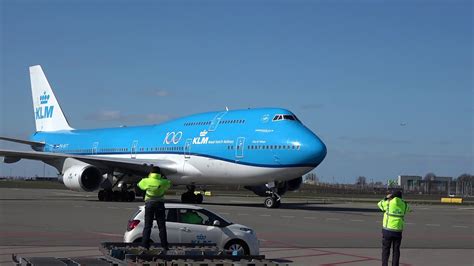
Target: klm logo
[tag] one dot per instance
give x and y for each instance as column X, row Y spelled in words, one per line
column 41, row 113
column 200, row 140
column 44, row 111
column 44, row 98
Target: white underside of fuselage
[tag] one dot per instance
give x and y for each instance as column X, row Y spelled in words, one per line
column 200, row 170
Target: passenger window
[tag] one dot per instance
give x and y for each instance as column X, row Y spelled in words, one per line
column 190, row 216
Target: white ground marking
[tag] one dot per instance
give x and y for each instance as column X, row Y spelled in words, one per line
column 242, row 214
column 265, row 215
column 410, row 223
column 112, row 207
column 333, row 219
column 79, row 206
column 225, row 213
column 460, row 226
column 433, row 225
column 356, row 220
column 288, row 216
column 466, row 208
column 312, row 218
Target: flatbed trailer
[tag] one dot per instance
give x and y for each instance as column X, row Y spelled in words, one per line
column 118, row 253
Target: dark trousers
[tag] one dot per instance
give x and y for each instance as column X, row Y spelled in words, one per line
column 154, row 210
column 391, row 239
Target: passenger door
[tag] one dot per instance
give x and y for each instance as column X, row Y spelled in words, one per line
column 199, row 233
column 172, row 228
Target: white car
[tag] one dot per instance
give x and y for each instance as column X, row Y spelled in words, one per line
column 212, row 229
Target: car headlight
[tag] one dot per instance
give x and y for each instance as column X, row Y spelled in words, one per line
column 247, row 230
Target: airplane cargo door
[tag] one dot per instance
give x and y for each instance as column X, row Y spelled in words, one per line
column 239, row 148
column 133, row 150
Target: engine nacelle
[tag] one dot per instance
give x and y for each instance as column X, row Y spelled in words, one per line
column 82, row 178
column 294, row 184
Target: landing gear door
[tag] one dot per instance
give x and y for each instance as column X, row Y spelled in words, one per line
column 239, row 148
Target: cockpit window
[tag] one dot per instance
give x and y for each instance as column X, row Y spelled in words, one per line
column 285, row 117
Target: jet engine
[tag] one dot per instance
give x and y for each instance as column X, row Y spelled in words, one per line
column 82, row 178
column 282, row 187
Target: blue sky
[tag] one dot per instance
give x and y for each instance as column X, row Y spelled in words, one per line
column 387, row 85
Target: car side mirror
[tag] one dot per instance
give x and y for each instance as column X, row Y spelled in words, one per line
column 216, row 223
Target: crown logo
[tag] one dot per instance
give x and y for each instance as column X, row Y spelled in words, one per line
column 44, row 98
column 203, row 133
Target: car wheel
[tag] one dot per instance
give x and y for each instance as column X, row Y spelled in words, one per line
column 238, row 246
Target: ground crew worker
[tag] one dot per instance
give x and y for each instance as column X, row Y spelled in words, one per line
column 394, row 208
column 155, row 186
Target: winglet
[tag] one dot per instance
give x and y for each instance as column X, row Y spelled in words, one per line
column 48, row 113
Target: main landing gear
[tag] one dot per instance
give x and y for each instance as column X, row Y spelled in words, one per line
column 109, row 194
column 190, row 197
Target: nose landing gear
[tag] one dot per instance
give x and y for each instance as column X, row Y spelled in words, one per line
column 273, row 201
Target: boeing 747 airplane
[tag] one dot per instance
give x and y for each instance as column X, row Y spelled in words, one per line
column 267, row 150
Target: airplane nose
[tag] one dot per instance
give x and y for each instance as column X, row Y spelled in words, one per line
column 315, row 150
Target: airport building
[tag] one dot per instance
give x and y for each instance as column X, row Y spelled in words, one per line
column 435, row 185
column 409, row 182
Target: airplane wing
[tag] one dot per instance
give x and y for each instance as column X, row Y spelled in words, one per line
column 136, row 166
column 33, row 144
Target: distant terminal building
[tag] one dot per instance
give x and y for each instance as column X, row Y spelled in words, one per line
column 435, row 185
column 409, row 182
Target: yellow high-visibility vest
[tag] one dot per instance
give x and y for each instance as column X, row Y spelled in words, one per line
column 155, row 186
column 394, row 213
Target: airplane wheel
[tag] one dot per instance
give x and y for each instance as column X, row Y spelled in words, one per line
column 131, row 196
column 272, row 202
column 108, row 195
column 101, row 195
column 187, row 197
column 124, row 196
column 277, row 204
column 199, row 198
column 116, row 195
column 269, row 202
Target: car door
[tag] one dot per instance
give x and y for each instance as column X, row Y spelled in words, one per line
column 198, row 233
column 172, row 228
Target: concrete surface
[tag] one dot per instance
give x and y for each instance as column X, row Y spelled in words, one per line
column 303, row 232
